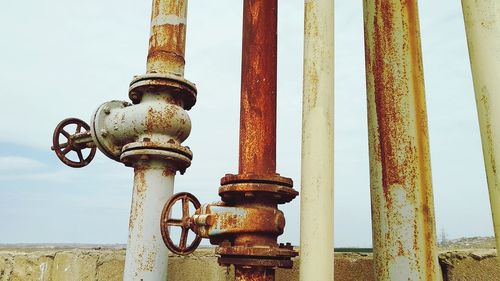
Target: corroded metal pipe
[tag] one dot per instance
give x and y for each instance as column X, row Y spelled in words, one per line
column 482, row 24
column 151, row 133
column 146, row 256
column 167, row 40
column 401, row 189
column 146, row 135
column 246, row 224
column 316, row 203
column 254, row 274
column 258, row 88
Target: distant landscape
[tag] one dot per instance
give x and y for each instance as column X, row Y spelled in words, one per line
column 468, row 243
column 443, row 245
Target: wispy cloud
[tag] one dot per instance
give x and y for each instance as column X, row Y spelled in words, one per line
column 15, row 163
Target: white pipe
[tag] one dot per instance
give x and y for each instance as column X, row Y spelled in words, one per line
column 482, row 24
column 147, row 256
column 316, row 213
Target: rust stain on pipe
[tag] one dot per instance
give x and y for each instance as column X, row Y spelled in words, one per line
column 246, row 273
column 168, row 37
column 402, row 201
column 258, row 88
column 245, row 226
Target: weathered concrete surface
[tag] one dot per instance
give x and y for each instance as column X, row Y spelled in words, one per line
column 470, row 265
column 106, row 264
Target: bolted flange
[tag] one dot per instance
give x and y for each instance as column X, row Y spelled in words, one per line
column 178, row 87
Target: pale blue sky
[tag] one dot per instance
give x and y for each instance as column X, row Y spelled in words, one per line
column 64, row 58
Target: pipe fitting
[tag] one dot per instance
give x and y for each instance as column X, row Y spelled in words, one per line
column 158, row 122
column 219, row 222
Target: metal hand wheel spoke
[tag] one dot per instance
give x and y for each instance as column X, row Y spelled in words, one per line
column 183, row 239
column 80, row 156
column 66, row 149
column 185, row 223
column 174, row 222
column 62, row 149
column 185, row 206
column 66, row 134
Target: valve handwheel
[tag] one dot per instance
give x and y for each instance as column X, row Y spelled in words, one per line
column 82, row 131
column 184, row 223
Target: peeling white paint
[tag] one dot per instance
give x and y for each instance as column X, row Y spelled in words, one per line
column 168, row 19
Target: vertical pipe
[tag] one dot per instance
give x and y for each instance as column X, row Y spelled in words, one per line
column 256, row 273
column 316, row 223
column 400, row 173
column 482, row 24
column 146, row 257
column 168, row 37
column 258, row 88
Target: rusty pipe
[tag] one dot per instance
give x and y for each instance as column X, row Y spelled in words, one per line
column 401, row 188
column 258, row 88
column 146, row 135
column 167, row 40
column 246, row 224
column 245, row 273
column 146, row 258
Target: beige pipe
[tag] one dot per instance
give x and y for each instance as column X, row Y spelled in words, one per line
column 482, row 25
column 316, row 212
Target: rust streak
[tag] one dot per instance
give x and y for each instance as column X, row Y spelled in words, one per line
column 168, row 37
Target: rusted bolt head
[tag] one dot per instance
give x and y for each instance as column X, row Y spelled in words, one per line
column 106, row 110
column 104, row 133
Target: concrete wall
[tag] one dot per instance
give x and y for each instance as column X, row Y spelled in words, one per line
column 106, row 264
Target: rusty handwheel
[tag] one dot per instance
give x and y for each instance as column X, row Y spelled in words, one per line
column 184, row 223
column 74, row 142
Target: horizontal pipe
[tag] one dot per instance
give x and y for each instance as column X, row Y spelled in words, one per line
column 482, row 25
column 316, row 205
column 404, row 238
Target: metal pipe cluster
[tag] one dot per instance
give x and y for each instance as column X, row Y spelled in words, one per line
column 147, row 135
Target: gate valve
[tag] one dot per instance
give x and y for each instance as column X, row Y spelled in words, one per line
column 221, row 223
column 78, row 141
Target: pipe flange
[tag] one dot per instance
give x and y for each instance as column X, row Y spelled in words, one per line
column 100, row 135
column 176, row 161
column 257, row 256
column 241, row 192
column 256, row 178
column 244, row 187
column 172, row 146
column 156, row 83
